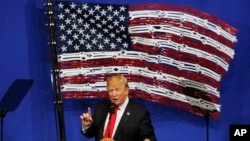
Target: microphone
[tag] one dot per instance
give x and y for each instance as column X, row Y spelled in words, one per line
column 111, row 111
column 111, row 108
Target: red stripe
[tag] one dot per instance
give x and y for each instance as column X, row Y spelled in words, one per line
column 184, row 25
column 180, row 56
column 150, row 97
column 188, row 10
column 185, row 41
column 139, row 63
column 195, row 93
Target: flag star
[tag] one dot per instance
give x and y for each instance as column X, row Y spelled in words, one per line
column 86, row 26
column 119, row 40
column 62, row 26
column 97, row 17
column 99, row 35
column 80, row 31
column 85, row 6
column 122, row 18
column 70, row 42
column 85, row 15
column 110, row 18
column 69, row 31
column 73, row 16
column 73, row 5
column 87, row 36
column 88, row 46
column 81, row 41
column 99, row 25
column 103, row 12
column 124, row 36
column 61, row 5
column 97, row 7
column 64, row 48
column 122, row 28
column 94, row 41
column 110, row 7
column 76, row 47
column 68, row 21
column 105, row 30
column 111, row 26
column 104, row 22
column 67, row 10
column 80, row 21
column 112, row 46
column 74, row 26
column 75, row 36
column 63, row 37
column 116, row 23
column 91, row 12
column 93, row 31
column 61, row 16
column 92, row 20
column 112, row 35
column 116, row 13
column 122, row 8
column 106, row 41
column 117, row 31
column 79, row 11
column 100, row 47
column 125, row 45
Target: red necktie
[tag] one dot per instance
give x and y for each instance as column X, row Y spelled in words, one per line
column 110, row 127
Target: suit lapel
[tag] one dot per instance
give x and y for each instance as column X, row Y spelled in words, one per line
column 103, row 119
column 124, row 119
column 102, row 128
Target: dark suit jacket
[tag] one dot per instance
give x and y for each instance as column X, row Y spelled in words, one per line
column 135, row 124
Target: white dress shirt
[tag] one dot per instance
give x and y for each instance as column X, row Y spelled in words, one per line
column 120, row 112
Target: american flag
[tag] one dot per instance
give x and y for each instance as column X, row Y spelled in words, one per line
column 173, row 55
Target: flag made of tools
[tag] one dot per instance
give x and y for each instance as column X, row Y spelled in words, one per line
column 173, row 55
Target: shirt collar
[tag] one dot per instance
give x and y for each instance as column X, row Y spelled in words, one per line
column 124, row 104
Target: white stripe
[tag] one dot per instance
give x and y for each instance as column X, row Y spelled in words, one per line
column 141, row 72
column 178, row 15
column 101, row 86
column 183, row 32
column 182, row 48
column 140, row 56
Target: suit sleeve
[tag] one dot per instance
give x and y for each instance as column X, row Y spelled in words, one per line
column 146, row 127
column 90, row 131
column 99, row 117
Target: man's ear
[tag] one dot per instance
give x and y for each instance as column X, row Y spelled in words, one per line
column 127, row 90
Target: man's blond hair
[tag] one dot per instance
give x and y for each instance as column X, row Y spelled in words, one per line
column 118, row 79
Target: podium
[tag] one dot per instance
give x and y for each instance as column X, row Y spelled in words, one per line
column 13, row 98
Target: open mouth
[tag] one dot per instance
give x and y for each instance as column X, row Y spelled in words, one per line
column 114, row 100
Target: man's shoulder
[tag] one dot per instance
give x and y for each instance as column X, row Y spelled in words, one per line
column 102, row 106
column 103, row 102
column 136, row 105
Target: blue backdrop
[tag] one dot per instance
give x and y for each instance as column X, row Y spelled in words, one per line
column 25, row 54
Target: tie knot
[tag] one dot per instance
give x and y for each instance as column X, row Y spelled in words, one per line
column 116, row 108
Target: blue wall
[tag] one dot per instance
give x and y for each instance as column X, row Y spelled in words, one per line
column 25, row 54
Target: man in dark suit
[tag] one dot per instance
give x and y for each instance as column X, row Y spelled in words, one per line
column 132, row 122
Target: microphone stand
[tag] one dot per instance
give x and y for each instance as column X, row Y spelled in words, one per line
column 2, row 115
column 111, row 111
column 206, row 116
column 108, row 126
column 13, row 97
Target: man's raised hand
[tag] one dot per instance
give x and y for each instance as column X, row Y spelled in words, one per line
column 86, row 118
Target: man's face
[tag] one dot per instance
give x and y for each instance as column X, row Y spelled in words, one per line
column 117, row 92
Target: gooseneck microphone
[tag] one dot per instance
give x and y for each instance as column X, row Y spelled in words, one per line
column 111, row 111
column 111, row 108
